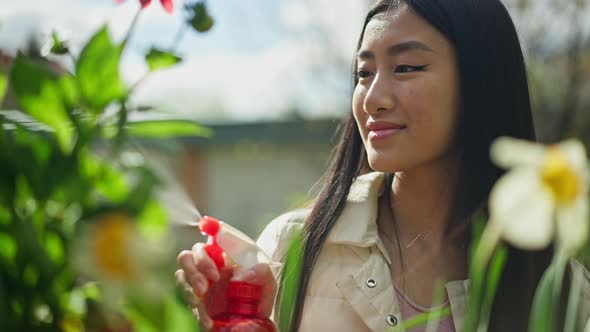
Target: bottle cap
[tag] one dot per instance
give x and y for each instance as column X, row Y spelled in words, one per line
column 243, row 291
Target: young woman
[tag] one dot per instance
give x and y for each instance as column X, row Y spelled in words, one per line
column 435, row 82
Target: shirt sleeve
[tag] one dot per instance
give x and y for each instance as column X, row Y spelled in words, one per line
column 276, row 237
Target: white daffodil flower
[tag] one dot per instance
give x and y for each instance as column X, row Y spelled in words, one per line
column 543, row 196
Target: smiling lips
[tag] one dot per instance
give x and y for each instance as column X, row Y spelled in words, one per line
column 379, row 130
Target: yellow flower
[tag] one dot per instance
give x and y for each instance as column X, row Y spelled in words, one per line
column 113, row 251
column 543, row 196
column 111, row 247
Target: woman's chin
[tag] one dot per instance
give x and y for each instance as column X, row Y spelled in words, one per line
column 385, row 165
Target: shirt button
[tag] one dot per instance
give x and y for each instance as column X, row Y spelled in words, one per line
column 371, row 283
column 391, row 320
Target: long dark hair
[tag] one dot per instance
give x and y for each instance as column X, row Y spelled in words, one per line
column 494, row 102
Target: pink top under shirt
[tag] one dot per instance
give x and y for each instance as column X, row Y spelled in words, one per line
column 410, row 309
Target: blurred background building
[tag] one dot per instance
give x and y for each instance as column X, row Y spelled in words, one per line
column 273, row 78
column 249, row 173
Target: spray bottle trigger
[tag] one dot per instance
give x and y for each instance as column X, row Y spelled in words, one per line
column 216, row 253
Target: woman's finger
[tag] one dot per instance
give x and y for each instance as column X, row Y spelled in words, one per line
column 196, row 305
column 187, row 290
column 191, row 273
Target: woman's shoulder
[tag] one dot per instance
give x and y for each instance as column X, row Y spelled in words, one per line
column 277, row 235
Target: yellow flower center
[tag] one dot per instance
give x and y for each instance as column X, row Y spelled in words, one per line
column 559, row 176
column 111, row 253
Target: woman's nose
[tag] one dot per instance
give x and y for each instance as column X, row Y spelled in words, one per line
column 379, row 96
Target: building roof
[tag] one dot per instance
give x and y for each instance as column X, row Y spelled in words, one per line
column 319, row 131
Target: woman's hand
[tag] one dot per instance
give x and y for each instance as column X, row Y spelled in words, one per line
column 204, row 286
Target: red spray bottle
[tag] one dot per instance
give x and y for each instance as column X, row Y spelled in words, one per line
column 226, row 245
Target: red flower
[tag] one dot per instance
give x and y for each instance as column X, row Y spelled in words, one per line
column 167, row 4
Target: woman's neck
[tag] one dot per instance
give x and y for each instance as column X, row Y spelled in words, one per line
column 421, row 201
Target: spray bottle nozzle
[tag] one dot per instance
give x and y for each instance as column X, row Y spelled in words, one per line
column 227, row 245
column 209, row 226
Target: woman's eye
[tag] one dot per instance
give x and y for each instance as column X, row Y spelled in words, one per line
column 363, row 73
column 408, row 68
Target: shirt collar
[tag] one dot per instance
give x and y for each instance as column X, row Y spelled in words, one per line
column 357, row 224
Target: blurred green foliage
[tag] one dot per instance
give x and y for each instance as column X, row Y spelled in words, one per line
column 61, row 174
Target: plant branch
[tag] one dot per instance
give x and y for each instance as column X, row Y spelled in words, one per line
column 131, row 29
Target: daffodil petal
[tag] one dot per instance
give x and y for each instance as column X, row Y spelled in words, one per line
column 575, row 153
column 509, row 152
column 523, row 209
column 572, row 226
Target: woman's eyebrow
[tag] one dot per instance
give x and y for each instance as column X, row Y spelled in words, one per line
column 397, row 49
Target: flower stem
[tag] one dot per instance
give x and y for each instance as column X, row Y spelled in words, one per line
column 560, row 262
column 439, row 293
column 573, row 301
column 172, row 49
column 178, row 37
column 487, row 244
column 131, row 29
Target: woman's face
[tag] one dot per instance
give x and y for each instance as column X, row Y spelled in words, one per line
column 407, row 98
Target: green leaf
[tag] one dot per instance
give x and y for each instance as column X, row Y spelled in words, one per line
column 3, row 84
column 158, row 59
column 58, row 47
column 98, row 71
column 91, row 291
column 112, row 184
column 24, row 201
column 578, row 281
column 54, row 248
column 31, row 275
column 546, row 299
column 178, row 317
column 290, row 277
column 199, row 17
column 107, row 180
column 39, row 95
column 69, row 88
column 146, row 316
column 89, row 165
column 108, row 132
column 429, row 319
column 141, row 194
column 494, row 272
column 542, row 310
column 476, row 278
column 152, row 220
column 140, row 322
column 8, row 247
column 5, row 217
column 167, row 129
column 39, row 145
column 423, row 318
column 74, row 302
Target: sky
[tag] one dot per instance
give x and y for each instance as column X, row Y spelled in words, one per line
column 262, row 60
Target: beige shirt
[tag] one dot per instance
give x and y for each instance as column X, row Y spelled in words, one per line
column 350, row 288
